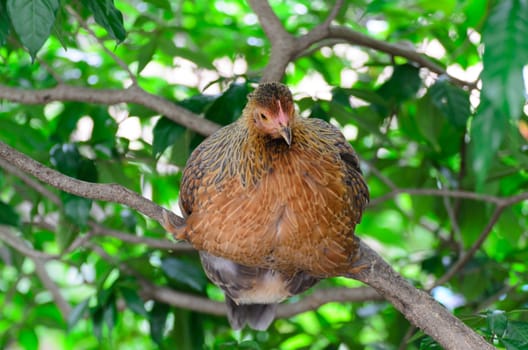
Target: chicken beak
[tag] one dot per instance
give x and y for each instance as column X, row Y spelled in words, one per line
column 286, row 134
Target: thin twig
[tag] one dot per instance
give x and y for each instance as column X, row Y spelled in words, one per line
column 165, row 244
column 50, row 70
column 357, row 38
column 464, row 258
column 21, row 246
column 408, row 334
column 51, row 286
column 97, row 229
column 502, row 201
column 388, row 182
column 333, row 13
column 456, row 237
column 116, row 59
column 204, row 305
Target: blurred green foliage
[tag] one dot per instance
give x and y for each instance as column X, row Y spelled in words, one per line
column 414, row 130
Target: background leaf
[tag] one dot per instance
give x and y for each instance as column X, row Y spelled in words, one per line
column 108, row 16
column 32, row 20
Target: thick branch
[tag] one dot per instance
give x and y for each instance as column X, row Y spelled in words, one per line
column 105, row 192
column 268, row 20
column 133, row 94
column 282, row 42
column 416, row 305
column 285, row 47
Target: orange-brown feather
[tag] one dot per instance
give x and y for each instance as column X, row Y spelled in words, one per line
column 256, row 201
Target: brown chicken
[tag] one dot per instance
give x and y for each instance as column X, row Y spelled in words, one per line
column 271, row 202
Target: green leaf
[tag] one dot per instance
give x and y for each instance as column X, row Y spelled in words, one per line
column 87, row 170
column 108, row 16
column 66, row 158
column 506, row 53
column 429, row 121
column 497, row 322
column 515, row 335
column 146, row 52
column 128, row 218
column 446, row 6
column 402, row 85
column 249, row 344
column 429, row 344
column 104, row 127
column 33, row 21
column 197, row 103
column 133, row 301
column 97, row 322
column 27, row 339
column 452, row 101
column 167, row 133
column 163, row 4
column 487, row 131
column 475, row 12
column 110, row 312
column 77, row 313
column 67, row 120
column 8, row 216
column 157, row 319
column 228, row 107
column 185, row 273
column 4, row 24
column 167, row 46
column 76, row 208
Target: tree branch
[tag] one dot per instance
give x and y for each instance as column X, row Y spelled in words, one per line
column 165, row 244
column 282, row 42
column 110, row 53
column 21, row 246
column 416, row 305
column 51, row 286
column 269, row 21
column 205, row 305
column 422, row 60
column 465, row 257
column 106, row 192
column 307, row 303
column 97, row 229
column 133, row 94
column 30, row 181
column 285, row 47
column 502, row 201
column 323, row 296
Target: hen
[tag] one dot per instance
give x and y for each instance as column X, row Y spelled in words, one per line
column 271, row 202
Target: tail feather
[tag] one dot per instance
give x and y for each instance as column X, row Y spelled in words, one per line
column 257, row 316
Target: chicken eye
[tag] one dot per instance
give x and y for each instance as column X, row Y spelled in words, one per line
column 263, row 116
